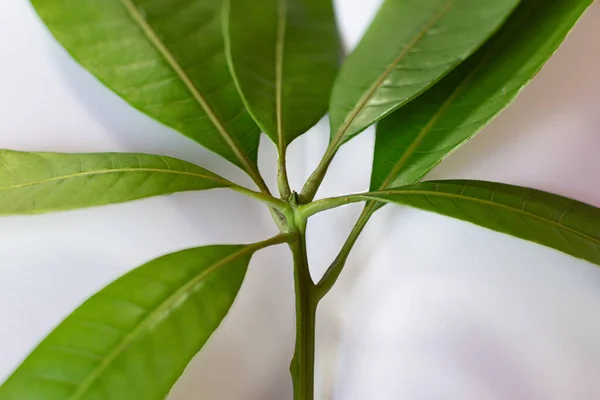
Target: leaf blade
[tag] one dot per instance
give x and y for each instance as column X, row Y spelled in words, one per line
column 376, row 80
column 284, row 56
column 124, row 334
column 150, row 54
column 33, row 183
column 415, row 138
column 551, row 220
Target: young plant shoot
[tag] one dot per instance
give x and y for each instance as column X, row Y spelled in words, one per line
column 429, row 74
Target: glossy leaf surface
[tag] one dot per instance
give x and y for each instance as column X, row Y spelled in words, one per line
column 134, row 338
column 410, row 45
column 166, row 58
column 413, row 139
column 42, row 182
column 284, row 56
column 564, row 224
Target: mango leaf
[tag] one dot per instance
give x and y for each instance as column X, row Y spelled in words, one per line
column 410, row 45
column 41, row 182
column 412, row 140
column 133, row 339
column 166, row 58
column 284, row 55
column 564, row 224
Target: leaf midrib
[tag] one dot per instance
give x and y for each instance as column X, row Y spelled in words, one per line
column 450, row 101
column 411, row 45
column 152, row 318
column 279, row 55
column 172, row 61
column 432, row 122
column 116, row 171
column 370, row 195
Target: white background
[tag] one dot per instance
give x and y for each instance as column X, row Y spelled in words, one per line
column 428, row 308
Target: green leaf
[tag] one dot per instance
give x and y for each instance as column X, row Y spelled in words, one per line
column 284, row 55
column 412, row 140
column 564, row 224
column 410, row 45
column 164, row 57
column 42, row 182
column 133, row 339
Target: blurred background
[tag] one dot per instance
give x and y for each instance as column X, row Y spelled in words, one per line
column 427, row 308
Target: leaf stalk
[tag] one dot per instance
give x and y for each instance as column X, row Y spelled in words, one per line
column 262, row 197
column 335, row 269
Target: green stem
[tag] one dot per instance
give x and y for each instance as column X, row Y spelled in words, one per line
column 260, row 182
column 316, row 178
column 315, row 207
column 282, row 178
column 265, row 198
column 276, row 207
column 275, row 240
column 335, row 269
column 303, row 363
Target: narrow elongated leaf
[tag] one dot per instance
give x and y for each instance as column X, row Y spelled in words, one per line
column 564, row 224
column 133, row 339
column 166, row 58
column 284, row 56
column 410, row 45
column 42, row 182
column 412, row 140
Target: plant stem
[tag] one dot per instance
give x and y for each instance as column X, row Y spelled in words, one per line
column 315, row 207
column 265, row 198
column 283, row 183
column 275, row 240
column 276, row 207
column 316, row 178
column 303, row 363
column 335, row 269
column 259, row 181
